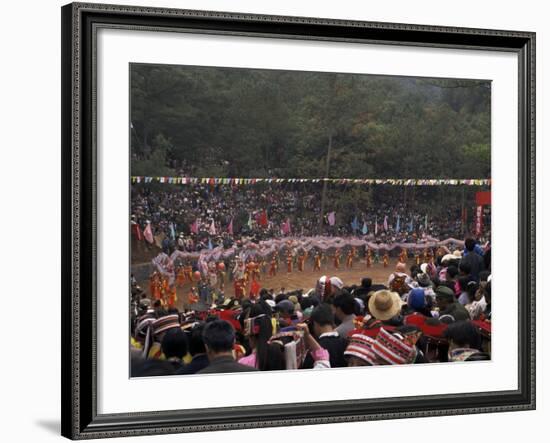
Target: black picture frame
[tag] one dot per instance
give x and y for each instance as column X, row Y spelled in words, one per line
column 79, row 171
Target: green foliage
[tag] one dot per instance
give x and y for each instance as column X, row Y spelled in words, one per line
column 261, row 123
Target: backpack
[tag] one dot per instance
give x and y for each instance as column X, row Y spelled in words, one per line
column 399, row 284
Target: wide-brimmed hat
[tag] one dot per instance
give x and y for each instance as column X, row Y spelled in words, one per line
column 384, row 304
column 449, row 258
column 360, row 346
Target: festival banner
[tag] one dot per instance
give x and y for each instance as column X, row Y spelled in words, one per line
column 479, row 220
column 213, row 181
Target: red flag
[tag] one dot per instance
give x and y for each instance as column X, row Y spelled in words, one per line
column 194, row 227
column 230, row 227
column 263, row 219
column 479, row 220
column 148, row 233
column 136, row 231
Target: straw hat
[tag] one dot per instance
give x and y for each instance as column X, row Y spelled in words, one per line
column 385, row 304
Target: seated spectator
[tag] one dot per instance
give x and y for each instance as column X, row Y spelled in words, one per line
column 322, row 327
column 343, row 305
column 219, row 338
column 359, row 351
column 174, row 347
column 464, row 342
column 449, row 308
column 197, row 350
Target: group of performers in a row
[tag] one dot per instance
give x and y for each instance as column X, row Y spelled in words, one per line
column 247, row 273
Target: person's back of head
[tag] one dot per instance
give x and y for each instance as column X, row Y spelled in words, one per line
column 366, row 282
column 218, row 336
column 174, row 343
column 196, row 343
column 469, row 244
column 345, row 302
column 463, row 334
column 452, row 271
column 464, row 268
column 322, row 315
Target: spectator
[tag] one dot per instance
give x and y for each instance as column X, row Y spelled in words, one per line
column 344, row 307
column 322, row 327
column 219, row 338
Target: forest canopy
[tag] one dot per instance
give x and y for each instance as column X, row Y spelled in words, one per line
column 229, row 122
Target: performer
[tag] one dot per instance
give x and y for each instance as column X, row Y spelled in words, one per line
column 369, row 258
column 273, row 266
column 212, row 275
column 192, row 296
column 289, row 261
column 403, row 255
column 250, row 271
column 337, row 258
column 172, row 297
column 349, row 258
column 386, row 259
column 239, row 278
column 221, row 276
column 317, row 261
column 302, row 260
column 188, row 271
column 180, row 278
column 256, row 271
column 155, row 285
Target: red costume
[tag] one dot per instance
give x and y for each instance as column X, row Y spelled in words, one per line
column 337, row 259
column 317, row 262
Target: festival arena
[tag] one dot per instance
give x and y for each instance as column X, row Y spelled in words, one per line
column 379, row 289
column 285, row 220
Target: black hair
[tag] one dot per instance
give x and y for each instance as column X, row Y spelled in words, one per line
column 366, row 282
column 345, row 301
column 464, row 334
column 452, row 270
column 463, row 282
column 305, row 303
column 261, row 312
column 484, row 275
column 470, row 244
column 479, row 356
column 219, row 336
column 407, row 329
column 174, row 343
column 322, row 315
column 464, row 267
column 471, row 289
column 275, row 358
column 196, row 343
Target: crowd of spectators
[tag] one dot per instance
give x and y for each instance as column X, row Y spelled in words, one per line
column 436, row 311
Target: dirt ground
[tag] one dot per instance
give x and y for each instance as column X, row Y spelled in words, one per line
column 301, row 280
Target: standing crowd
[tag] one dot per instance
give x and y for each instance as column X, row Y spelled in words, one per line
column 435, row 311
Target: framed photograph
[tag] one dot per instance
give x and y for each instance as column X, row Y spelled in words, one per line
column 276, row 221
